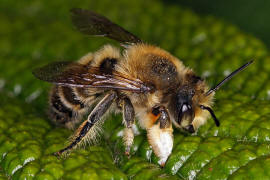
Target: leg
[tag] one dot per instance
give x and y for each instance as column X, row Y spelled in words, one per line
column 128, row 116
column 84, row 130
column 160, row 136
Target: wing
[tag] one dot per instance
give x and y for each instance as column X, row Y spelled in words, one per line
column 78, row 75
column 91, row 23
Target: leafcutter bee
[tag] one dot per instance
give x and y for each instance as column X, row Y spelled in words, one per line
column 142, row 81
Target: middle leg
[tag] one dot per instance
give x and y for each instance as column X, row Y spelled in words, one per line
column 129, row 119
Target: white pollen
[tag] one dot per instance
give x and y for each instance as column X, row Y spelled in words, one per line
column 165, row 146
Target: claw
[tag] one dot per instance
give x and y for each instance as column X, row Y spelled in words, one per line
column 57, row 154
column 127, row 152
column 162, row 165
column 162, row 162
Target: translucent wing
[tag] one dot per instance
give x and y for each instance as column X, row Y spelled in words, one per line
column 77, row 75
column 91, row 23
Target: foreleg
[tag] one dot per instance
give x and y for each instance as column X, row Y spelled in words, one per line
column 160, row 136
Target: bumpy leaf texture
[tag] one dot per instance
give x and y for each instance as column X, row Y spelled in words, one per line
column 35, row 33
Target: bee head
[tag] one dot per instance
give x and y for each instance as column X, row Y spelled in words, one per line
column 189, row 105
column 184, row 109
column 191, row 100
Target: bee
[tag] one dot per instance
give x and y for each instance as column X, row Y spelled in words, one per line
column 142, row 81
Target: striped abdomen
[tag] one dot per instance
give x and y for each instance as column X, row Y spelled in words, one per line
column 68, row 105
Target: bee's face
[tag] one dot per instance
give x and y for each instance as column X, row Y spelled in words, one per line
column 184, row 109
column 186, row 101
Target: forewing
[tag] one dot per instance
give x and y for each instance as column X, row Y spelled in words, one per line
column 91, row 23
column 77, row 75
column 64, row 73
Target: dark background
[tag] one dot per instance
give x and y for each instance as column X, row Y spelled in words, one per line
column 252, row 16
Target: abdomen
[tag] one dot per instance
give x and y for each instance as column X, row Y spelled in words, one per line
column 68, row 105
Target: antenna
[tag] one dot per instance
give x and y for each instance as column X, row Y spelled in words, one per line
column 228, row 78
column 212, row 114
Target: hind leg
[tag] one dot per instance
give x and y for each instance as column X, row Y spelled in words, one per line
column 83, row 131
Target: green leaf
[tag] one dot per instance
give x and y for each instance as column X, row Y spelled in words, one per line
column 35, row 33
